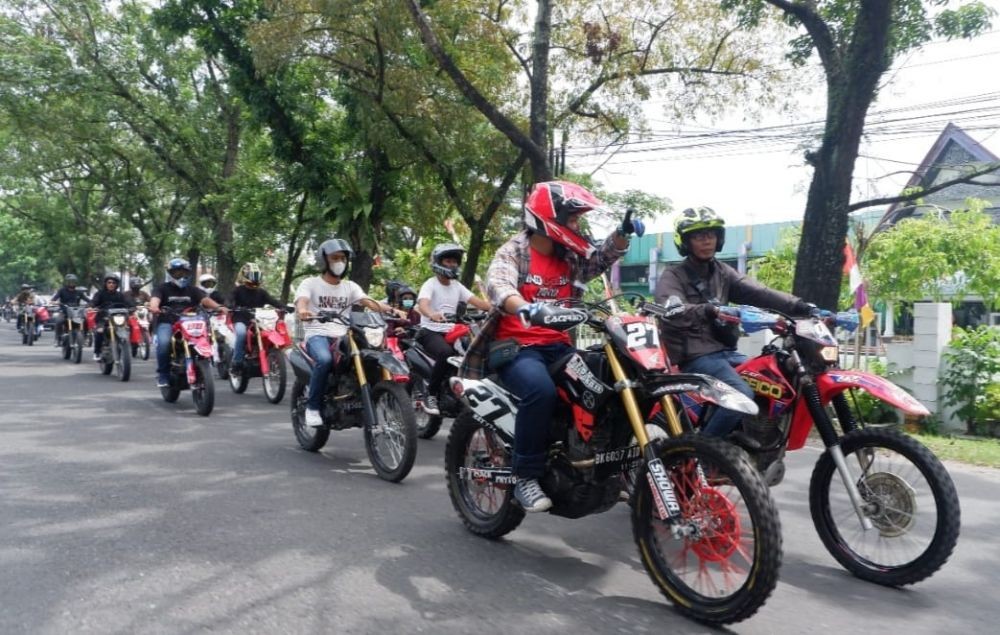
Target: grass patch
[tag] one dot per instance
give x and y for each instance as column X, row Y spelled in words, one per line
column 985, row 452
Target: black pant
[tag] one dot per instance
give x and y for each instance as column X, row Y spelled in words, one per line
column 433, row 342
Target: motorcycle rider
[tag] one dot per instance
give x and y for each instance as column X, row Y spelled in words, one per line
column 135, row 292
column 548, row 261
column 403, row 298
column 702, row 339
column 67, row 295
column 24, row 297
column 108, row 296
column 439, row 295
column 328, row 291
column 248, row 295
column 207, row 283
column 177, row 294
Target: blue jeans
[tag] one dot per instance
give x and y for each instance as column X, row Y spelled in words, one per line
column 163, row 331
column 240, row 347
column 527, row 376
column 319, row 349
column 721, row 366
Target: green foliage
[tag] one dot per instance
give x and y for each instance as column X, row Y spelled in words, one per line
column 988, row 407
column 973, row 364
column 917, row 257
column 776, row 268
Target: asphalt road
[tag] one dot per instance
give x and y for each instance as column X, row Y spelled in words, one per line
column 120, row 513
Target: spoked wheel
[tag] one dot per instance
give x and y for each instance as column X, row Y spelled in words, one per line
column 392, row 441
column 719, row 563
column 237, row 381
column 25, row 336
column 107, row 358
column 29, row 335
column 486, row 507
column 277, row 376
column 223, row 366
column 172, row 392
column 67, row 346
column 909, row 498
column 203, row 389
column 76, row 346
column 144, row 346
column 309, row 438
column 427, row 424
column 123, row 360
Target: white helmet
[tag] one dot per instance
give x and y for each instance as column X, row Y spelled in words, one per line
column 207, row 282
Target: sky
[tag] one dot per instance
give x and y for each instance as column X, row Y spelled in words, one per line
column 754, row 177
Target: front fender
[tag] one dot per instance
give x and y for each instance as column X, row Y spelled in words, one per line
column 387, row 361
column 708, row 387
column 835, row 382
column 279, row 340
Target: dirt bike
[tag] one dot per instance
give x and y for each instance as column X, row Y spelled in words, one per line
column 893, row 515
column 266, row 340
column 366, row 389
column 190, row 360
column 142, row 347
column 34, row 319
column 221, row 335
column 705, row 525
column 465, row 326
column 74, row 333
column 116, row 353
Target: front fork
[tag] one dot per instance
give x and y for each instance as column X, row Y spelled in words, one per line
column 359, row 370
column 265, row 367
column 824, row 425
column 662, row 488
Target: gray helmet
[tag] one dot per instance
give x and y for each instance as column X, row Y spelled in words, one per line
column 447, row 250
column 70, row 280
column 331, row 246
column 135, row 282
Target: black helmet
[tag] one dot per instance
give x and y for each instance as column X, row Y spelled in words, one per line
column 447, row 250
column 135, row 282
column 332, row 246
column 70, row 280
column 111, row 276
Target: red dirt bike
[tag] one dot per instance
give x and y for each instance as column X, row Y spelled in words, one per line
column 190, row 360
column 893, row 515
column 143, row 342
column 266, row 340
column 704, row 522
column 35, row 318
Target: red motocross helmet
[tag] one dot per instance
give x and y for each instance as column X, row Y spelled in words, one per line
column 550, row 205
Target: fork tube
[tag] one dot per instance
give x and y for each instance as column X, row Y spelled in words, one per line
column 670, row 412
column 261, row 352
column 359, row 368
column 627, row 396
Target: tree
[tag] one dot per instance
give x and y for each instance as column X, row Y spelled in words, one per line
column 856, row 42
column 935, row 255
column 606, row 55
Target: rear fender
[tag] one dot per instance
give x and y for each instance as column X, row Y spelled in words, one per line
column 707, row 387
column 490, row 405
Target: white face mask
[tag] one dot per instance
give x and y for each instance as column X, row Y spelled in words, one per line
column 338, row 268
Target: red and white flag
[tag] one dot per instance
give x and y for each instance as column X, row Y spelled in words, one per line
column 857, row 286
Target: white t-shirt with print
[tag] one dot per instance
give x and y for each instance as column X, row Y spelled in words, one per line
column 444, row 298
column 324, row 296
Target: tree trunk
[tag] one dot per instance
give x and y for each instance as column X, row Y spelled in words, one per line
column 541, row 168
column 851, row 88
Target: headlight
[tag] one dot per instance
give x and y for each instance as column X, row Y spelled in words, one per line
column 830, row 353
column 119, row 320
column 374, row 337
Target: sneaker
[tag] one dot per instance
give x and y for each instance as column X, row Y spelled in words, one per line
column 530, row 495
column 97, row 357
column 431, row 405
column 162, row 381
column 313, row 418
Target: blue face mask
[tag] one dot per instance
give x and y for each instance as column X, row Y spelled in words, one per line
column 407, row 304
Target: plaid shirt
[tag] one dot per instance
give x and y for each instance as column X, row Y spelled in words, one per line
column 508, row 272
